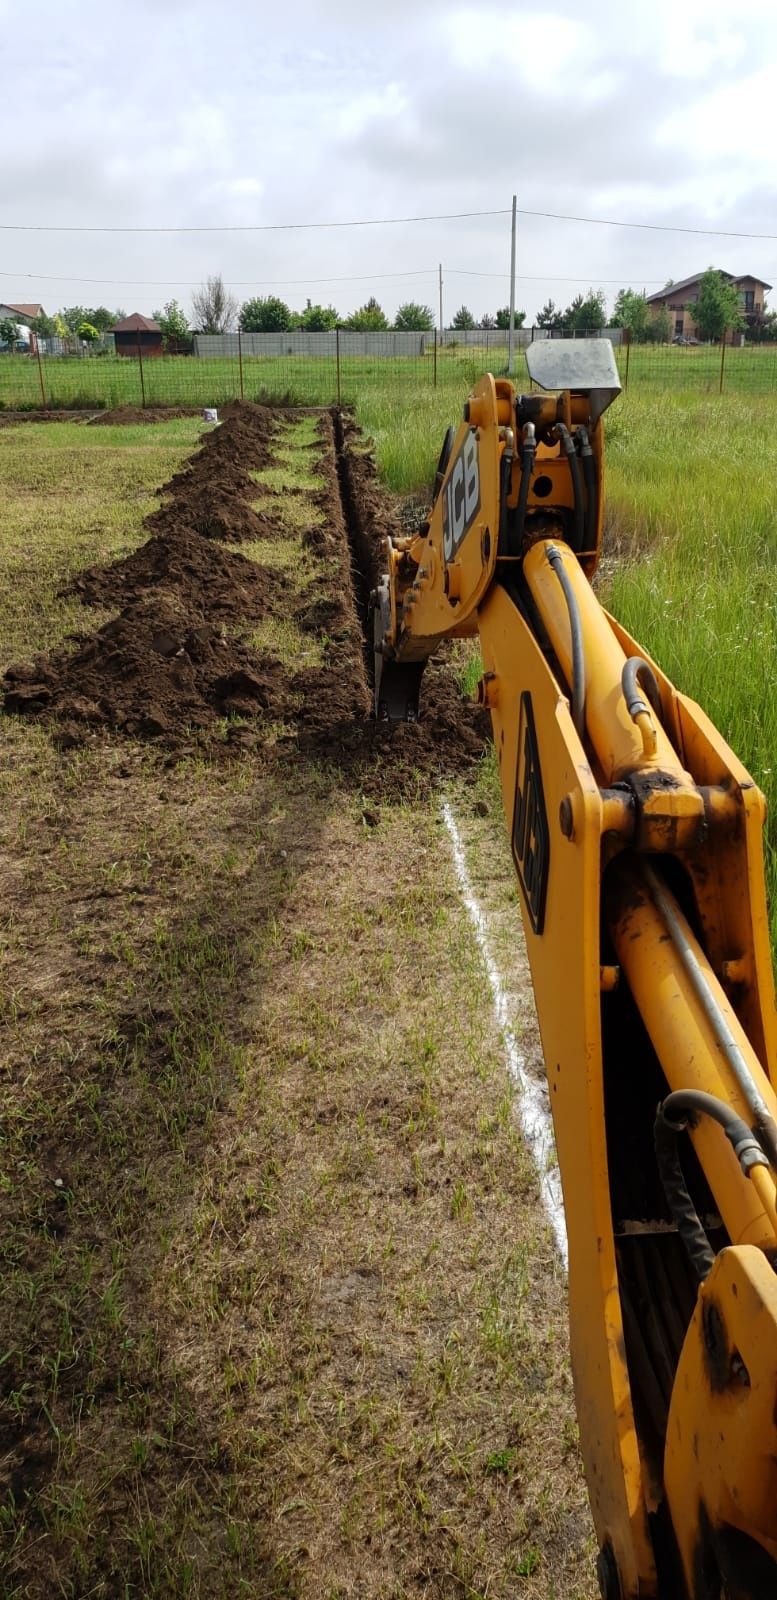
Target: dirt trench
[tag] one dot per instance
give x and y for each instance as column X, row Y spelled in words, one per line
column 180, row 657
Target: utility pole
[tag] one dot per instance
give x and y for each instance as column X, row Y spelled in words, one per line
column 442, row 341
column 511, row 329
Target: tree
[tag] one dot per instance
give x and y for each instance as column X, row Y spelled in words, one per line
column 631, row 311
column 487, row 321
column 44, row 326
column 173, row 321
column 659, row 326
column 265, row 314
column 717, row 308
column 315, row 319
column 586, row 313
column 98, row 317
column 414, row 318
column 88, row 332
column 213, row 309
column 503, row 318
column 370, row 318
column 8, row 334
column 551, row 316
column 463, row 319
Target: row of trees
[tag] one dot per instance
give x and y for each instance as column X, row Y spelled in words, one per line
column 215, row 310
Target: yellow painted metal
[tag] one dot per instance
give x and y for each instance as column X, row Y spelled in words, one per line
column 720, row 1463
column 568, row 1008
column 582, row 812
column 685, row 1044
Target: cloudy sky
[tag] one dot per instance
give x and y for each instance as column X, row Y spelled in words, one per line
column 164, row 114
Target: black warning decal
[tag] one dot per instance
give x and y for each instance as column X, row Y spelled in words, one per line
column 531, row 838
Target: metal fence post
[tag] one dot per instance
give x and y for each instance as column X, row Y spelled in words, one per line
column 240, row 361
column 337, row 358
column 627, row 342
column 435, row 358
column 722, row 360
column 40, row 372
column 142, row 383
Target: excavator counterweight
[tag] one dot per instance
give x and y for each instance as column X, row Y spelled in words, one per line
column 637, row 841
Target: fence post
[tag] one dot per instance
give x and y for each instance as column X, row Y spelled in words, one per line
column 40, row 372
column 435, row 358
column 627, row 340
column 337, row 357
column 240, row 360
column 142, row 384
column 722, row 360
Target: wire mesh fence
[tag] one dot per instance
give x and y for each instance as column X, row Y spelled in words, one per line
column 337, row 373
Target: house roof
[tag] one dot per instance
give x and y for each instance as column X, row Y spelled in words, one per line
column 136, row 324
column 686, row 283
column 24, row 311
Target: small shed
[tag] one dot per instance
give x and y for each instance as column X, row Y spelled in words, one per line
column 137, row 333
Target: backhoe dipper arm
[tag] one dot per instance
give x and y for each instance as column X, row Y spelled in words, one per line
column 637, row 842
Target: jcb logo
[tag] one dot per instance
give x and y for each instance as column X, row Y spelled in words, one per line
column 461, row 497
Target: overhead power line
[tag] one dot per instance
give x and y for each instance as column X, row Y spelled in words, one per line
column 230, row 283
column 283, row 283
column 246, row 227
column 381, row 222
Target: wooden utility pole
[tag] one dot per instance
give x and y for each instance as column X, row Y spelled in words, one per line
column 511, row 329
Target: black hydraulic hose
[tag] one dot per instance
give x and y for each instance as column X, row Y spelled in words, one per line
column 576, row 631
column 505, row 476
column 591, row 498
column 638, row 674
column 683, row 1211
column 528, row 450
column 678, row 1112
column 568, row 442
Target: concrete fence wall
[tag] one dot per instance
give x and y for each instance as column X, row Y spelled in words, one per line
column 388, row 344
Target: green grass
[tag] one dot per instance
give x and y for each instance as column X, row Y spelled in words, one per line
column 691, row 497
column 94, row 382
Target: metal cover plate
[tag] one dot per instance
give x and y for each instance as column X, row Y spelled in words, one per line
column 585, row 365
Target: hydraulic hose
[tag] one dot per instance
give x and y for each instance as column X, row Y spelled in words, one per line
column 591, row 501
column 678, row 1112
column 683, row 1211
column 576, row 631
column 568, row 443
column 528, row 451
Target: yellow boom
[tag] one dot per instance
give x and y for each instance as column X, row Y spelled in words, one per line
column 637, row 841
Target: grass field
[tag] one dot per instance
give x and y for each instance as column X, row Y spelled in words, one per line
column 281, row 1315
column 108, row 381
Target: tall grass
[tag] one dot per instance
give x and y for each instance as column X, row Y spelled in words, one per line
column 691, row 494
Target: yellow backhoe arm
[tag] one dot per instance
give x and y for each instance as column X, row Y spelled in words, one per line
column 637, row 841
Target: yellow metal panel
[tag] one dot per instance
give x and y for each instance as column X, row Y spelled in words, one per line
column 565, row 973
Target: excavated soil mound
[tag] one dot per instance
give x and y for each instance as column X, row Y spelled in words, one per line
column 153, row 672
column 132, row 414
column 205, row 577
column 165, row 667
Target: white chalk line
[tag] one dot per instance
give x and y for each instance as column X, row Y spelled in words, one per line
column 533, row 1114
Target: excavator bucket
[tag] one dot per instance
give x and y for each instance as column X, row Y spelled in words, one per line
column 397, row 684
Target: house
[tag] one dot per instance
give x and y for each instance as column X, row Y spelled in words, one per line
column 137, row 334
column 21, row 313
column 676, row 298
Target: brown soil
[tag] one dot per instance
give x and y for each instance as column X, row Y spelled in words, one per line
column 169, row 666
column 155, row 671
column 134, row 414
